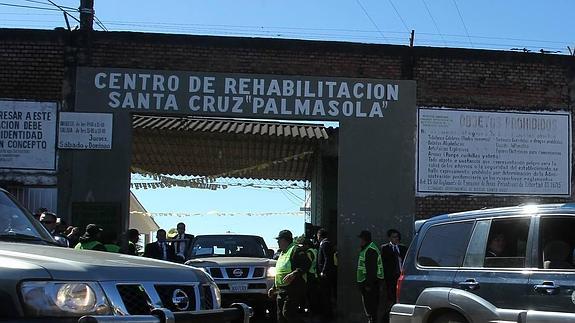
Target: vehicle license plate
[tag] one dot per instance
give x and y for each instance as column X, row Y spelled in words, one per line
column 239, row 288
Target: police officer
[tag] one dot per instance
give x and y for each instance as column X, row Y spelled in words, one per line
column 91, row 239
column 369, row 275
column 290, row 281
column 312, row 294
column 109, row 239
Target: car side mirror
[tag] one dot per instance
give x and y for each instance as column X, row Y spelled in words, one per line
column 270, row 253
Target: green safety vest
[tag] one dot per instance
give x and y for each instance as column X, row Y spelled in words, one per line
column 112, row 248
column 87, row 245
column 361, row 270
column 312, row 255
column 283, row 265
column 335, row 259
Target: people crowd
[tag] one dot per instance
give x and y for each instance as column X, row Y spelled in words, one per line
column 306, row 269
column 94, row 237
column 307, row 287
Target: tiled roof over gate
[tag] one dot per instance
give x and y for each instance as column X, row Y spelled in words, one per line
column 226, row 147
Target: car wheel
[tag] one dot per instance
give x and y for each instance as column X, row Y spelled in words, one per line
column 450, row 318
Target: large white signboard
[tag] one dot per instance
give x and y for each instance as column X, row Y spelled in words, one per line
column 85, row 130
column 27, row 135
column 507, row 153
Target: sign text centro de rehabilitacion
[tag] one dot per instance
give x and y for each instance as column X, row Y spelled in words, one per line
column 236, row 94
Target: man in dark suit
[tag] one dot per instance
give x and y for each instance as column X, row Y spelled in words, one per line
column 327, row 273
column 392, row 254
column 182, row 243
column 160, row 249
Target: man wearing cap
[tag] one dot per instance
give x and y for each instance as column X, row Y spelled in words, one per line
column 91, row 239
column 290, row 281
column 369, row 275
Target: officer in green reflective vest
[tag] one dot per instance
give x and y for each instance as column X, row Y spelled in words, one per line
column 290, row 280
column 109, row 239
column 369, row 275
column 91, row 239
column 312, row 294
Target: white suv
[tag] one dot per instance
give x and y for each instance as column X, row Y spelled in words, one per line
column 241, row 266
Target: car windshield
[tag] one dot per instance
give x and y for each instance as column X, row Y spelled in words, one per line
column 17, row 224
column 229, row 246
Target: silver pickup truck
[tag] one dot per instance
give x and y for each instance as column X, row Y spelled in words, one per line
column 43, row 282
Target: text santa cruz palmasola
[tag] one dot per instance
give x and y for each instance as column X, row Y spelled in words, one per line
column 243, row 95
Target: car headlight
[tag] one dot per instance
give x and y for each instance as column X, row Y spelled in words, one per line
column 64, row 298
column 217, row 296
column 272, row 272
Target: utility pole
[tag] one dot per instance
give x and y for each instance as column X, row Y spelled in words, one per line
column 412, row 38
column 86, row 15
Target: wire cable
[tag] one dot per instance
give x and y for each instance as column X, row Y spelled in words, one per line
column 48, row 4
column 63, row 10
column 399, row 16
column 27, row 7
column 282, row 29
column 100, row 23
column 369, row 17
column 463, row 22
column 434, row 22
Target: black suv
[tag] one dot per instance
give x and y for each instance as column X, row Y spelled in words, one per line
column 499, row 265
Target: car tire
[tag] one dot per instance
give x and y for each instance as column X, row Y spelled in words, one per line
column 450, row 317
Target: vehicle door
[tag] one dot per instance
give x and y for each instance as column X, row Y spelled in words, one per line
column 494, row 265
column 552, row 283
column 437, row 258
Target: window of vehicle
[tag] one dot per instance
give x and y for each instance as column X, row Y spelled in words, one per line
column 556, row 242
column 14, row 221
column 229, row 246
column 445, row 245
column 506, row 243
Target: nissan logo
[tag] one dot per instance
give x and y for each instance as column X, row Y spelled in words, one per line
column 180, row 300
column 238, row 272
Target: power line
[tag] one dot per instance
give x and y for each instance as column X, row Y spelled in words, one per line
column 26, row 14
column 463, row 22
column 266, row 32
column 369, row 17
column 290, row 199
column 48, row 4
column 433, row 19
column 339, row 34
column 63, row 10
column 27, row 7
column 262, row 29
column 100, row 23
column 398, row 15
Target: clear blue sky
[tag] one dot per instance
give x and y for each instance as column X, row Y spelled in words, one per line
column 244, row 209
column 491, row 24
